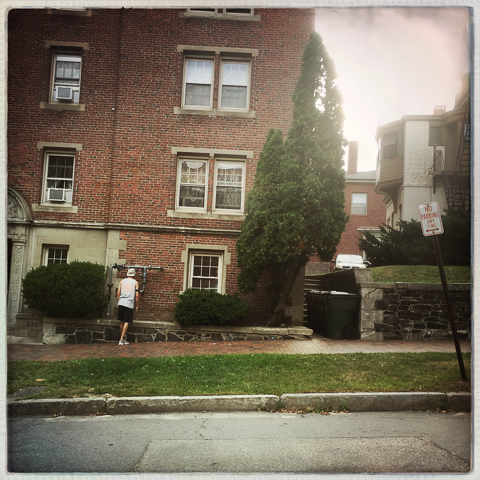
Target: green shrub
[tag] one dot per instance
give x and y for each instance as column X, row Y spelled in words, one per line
column 202, row 307
column 66, row 289
column 407, row 245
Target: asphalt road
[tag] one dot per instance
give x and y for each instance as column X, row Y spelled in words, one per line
column 246, row 442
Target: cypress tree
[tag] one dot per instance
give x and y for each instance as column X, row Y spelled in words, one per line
column 296, row 207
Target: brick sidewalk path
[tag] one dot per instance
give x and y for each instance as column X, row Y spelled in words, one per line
column 315, row 344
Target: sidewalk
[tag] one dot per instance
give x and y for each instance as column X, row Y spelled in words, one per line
column 106, row 405
column 315, row 344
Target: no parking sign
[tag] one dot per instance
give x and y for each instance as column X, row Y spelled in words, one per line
column 431, row 226
column 430, row 219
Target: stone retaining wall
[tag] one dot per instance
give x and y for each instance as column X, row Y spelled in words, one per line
column 75, row 331
column 413, row 311
column 403, row 311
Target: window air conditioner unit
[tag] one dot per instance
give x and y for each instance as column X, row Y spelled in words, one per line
column 64, row 94
column 55, row 194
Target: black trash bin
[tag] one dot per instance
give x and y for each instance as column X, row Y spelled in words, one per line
column 314, row 300
column 333, row 314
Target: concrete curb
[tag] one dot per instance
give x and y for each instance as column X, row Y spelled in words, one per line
column 354, row 402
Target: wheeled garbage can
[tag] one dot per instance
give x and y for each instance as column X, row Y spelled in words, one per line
column 334, row 314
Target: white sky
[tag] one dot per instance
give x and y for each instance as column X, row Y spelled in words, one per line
column 392, row 62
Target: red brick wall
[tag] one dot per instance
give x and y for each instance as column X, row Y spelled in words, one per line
column 163, row 287
column 125, row 171
column 131, row 82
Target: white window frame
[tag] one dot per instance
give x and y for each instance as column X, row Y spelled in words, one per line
column 193, row 269
column 76, row 86
column 231, row 11
column 357, row 206
column 54, row 182
column 201, row 58
column 48, row 248
column 230, row 211
column 203, row 11
column 243, row 61
column 221, row 12
column 182, row 159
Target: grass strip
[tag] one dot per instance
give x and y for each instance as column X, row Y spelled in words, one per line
column 253, row 374
column 419, row 274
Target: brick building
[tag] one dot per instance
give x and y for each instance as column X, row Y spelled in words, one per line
column 133, row 137
column 365, row 207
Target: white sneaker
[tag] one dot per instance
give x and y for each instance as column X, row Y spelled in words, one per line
column 125, row 342
column 121, row 343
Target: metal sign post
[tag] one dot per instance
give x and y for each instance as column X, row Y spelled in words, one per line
column 432, row 226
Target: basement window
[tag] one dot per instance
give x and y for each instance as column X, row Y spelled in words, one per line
column 55, row 254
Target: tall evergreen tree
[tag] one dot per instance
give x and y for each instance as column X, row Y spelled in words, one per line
column 296, row 207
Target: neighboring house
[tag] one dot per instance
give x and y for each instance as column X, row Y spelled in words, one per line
column 425, row 158
column 364, row 206
column 133, row 137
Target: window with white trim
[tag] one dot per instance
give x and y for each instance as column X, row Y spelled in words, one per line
column 58, row 178
column 203, row 10
column 66, row 77
column 234, row 84
column 55, row 254
column 229, row 186
column 229, row 91
column 221, row 12
column 198, row 82
column 205, row 271
column 359, row 204
column 192, row 176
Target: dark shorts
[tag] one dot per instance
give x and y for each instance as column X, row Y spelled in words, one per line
column 125, row 314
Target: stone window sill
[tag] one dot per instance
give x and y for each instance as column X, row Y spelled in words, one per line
column 46, row 207
column 77, row 107
column 213, row 113
column 206, row 215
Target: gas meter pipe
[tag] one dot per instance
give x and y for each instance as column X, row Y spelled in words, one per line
column 145, row 268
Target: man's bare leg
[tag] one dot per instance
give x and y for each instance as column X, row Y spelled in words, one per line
column 123, row 330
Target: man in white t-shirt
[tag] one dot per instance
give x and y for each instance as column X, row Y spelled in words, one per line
column 127, row 298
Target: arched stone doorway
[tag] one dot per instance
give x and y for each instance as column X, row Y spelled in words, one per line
column 19, row 219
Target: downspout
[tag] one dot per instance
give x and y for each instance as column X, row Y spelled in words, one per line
column 112, row 152
column 115, row 113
